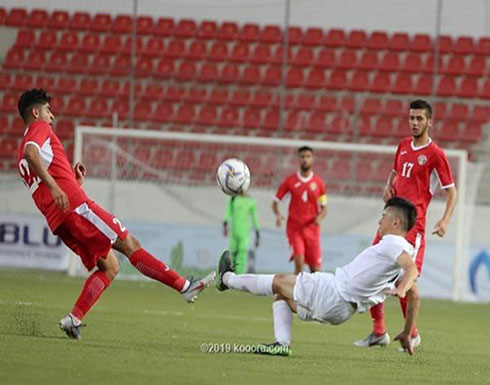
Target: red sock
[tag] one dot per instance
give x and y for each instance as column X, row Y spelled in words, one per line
column 378, row 317
column 153, row 268
column 91, row 291
column 403, row 305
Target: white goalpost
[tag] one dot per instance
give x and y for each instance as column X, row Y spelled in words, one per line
column 162, row 185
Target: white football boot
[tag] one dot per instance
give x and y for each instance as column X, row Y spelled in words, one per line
column 196, row 286
column 373, row 340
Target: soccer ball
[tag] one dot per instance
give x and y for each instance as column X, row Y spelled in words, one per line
column 233, row 177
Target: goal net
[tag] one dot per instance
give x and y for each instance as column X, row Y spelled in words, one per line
column 162, row 186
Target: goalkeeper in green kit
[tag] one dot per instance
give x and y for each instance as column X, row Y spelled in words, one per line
column 239, row 210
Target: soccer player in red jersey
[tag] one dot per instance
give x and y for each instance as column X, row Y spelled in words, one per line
column 307, row 208
column 85, row 227
column 420, row 167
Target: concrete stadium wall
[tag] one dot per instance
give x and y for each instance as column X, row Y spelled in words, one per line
column 417, row 16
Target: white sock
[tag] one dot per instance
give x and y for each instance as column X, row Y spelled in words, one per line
column 283, row 319
column 258, row 284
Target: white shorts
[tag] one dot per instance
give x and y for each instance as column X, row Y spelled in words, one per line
column 317, row 298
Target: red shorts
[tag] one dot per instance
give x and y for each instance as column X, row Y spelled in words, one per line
column 90, row 231
column 416, row 237
column 306, row 241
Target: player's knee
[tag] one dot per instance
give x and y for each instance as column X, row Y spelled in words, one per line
column 130, row 245
column 277, row 282
column 112, row 271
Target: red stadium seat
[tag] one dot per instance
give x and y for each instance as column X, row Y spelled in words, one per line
column 295, row 35
column 38, row 18
column 98, row 108
column 250, row 32
column 228, row 31
column 230, row 73
column 317, row 122
column 144, row 25
column 36, row 60
column 394, row 108
column 185, row 28
column 441, row 110
column 294, row 77
column 121, row 108
column 315, row 78
column 455, row 66
column 68, row 41
column 423, row 85
column 448, row 130
column 123, row 24
column 5, row 80
column 47, row 40
column 90, row 43
column 428, row 66
column 144, row 67
column 208, row 72
column 100, row 64
column 459, row 111
column 445, row 44
column 471, row 133
column 399, row 42
column 313, row 36
column 59, row 20
column 22, row 81
column 371, row 107
column 252, row 118
column 26, row 38
column 359, row 81
column 356, row 39
column 112, row 44
column 14, row 59
column 88, row 86
column 325, row 58
column 483, row 46
column 402, row 84
column 271, row 119
column 240, row 97
column 101, row 22
column 303, row 57
column 271, row 34
column 347, row 59
column 468, row 88
column 66, row 85
column 80, row 21
column 65, row 129
column 412, row 63
column 9, row 103
column 377, row 41
column 295, row 121
column 207, row 116
column 272, row 76
column 8, row 146
column 239, row 53
column 390, row 62
column 229, row 117
column 164, row 27
column 384, row 128
column 164, row 112
column 477, row 66
column 219, row 95
column 261, row 54
column 16, row 17
column 128, row 45
column 381, row 83
column 464, row 45
column 152, row 91
column 197, row 50
column 165, row 68
column 337, row 80
column 250, row 75
column 263, row 98
column 479, row 114
column 57, row 62
column 305, row 101
column 197, row 95
column 421, row 43
column 327, row 103
column 175, row 49
column 76, row 106
column 218, row 51
column 207, row 30
column 142, row 110
column 446, row 86
column 3, row 15
column 485, row 90
column 78, row 64
column 186, row 71
column 369, row 61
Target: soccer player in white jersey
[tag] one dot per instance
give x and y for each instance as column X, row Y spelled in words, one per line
column 386, row 268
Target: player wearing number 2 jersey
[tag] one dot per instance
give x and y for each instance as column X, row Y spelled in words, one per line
column 85, row 227
column 420, row 167
column 307, row 208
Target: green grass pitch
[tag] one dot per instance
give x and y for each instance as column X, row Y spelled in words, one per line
column 143, row 333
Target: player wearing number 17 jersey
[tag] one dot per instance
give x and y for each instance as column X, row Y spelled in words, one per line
column 420, row 167
column 85, row 227
column 307, row 208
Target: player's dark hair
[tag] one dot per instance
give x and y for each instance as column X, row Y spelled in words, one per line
column 420, row 104
column 31, row 98
column 406, row 210
column 304, row 148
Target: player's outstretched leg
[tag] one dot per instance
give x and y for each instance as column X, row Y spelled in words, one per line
column 379, row 336
column 154, row 268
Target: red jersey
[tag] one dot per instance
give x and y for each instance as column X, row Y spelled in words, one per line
column 419, row 172
column 56, row 162
column 307, row 197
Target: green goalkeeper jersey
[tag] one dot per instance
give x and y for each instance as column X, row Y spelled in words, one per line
column 238, row 212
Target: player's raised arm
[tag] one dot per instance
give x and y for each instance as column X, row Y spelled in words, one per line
column 33, row 158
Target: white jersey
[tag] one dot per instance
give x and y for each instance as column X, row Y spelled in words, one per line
column 372, row 272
